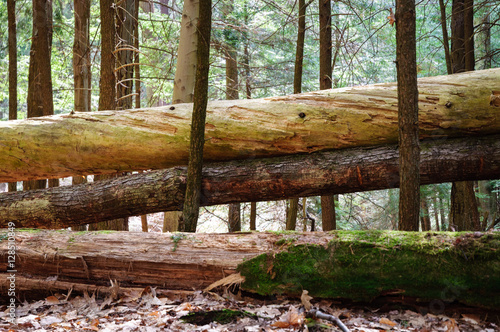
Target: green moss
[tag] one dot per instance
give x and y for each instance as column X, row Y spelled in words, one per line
column 363, row 265
column 176, row 238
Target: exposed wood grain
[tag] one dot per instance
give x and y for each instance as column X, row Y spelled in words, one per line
column 142, row 139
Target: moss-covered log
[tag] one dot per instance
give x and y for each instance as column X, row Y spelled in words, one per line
column 356, row 265
column 437, row 267
column 334, row 172
column 143, row 139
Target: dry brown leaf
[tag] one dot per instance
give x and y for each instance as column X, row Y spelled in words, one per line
column 52, row 300
column 391, row 17
column 386, row 321
column 451, row 326
column 306, row 300
column 471, row 318
column 292, row 318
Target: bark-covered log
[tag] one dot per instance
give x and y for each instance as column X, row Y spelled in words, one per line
column 142, row 139
column 357, row 265
column 334, row 172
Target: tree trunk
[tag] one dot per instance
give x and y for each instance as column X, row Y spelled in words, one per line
column 186, row 60
column 409, row 150
column 291, row 215
column 325, row 82
column 107, row 92
column 192, row 197
column 446, row 40
column 358, row 266
column 342, row 171
column 40, row 100
column 363, row 266
column 126, row 22
column 232, row 93
column 450, row 106
column 81, row 70
column 81, row 56
column 463, row 210
column 462, row 216
column 253, row 216
column 11, row 17
column 184, row 80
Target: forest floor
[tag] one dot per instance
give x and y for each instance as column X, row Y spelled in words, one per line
column 148, row 310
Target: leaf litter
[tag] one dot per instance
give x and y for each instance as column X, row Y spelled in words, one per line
column 148, row 310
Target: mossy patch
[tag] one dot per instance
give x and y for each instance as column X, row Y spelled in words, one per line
column 364, row 265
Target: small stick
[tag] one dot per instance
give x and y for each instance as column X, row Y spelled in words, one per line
column 336, row 320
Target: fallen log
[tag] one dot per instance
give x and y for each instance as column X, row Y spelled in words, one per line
column 142, row 139
column 358, row 265
column 334, row 172
column 438, row 267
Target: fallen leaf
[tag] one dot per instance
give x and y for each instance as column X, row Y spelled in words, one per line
column 292, row 318
column 306, row 299
column 451, row 326
column 52, row 300
column 471, row 318
column 386, row 321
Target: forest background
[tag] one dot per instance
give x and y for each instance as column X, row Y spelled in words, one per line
column 262, row 35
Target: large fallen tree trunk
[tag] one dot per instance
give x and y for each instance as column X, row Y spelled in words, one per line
column 103, row 142
column 341, row 171
column 357, row 265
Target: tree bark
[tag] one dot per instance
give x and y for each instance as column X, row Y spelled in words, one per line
column 325, row 82
column 462, row 216
column 365, row 264
column 409, row 150
column 81, row 56
column 40, row 101
column 126, row 22
column 186, row 61
column 107, row 84
column 197, row 138
column 11, row 17
column 450, row 106
column 342, row 171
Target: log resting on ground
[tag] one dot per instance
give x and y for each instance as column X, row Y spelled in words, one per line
column 143, row 139
column 334, row 172
column 438, row 266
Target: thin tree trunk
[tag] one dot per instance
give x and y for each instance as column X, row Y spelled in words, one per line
column 325, row 82
column 436, row 211
column 11, row 17
column 291, row 215
column 409, row 150
column 291, row 218
column 253, row 216
column 446, row 40
column 193, row 197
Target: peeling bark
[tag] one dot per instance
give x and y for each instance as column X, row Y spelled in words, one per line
column 142, row 139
